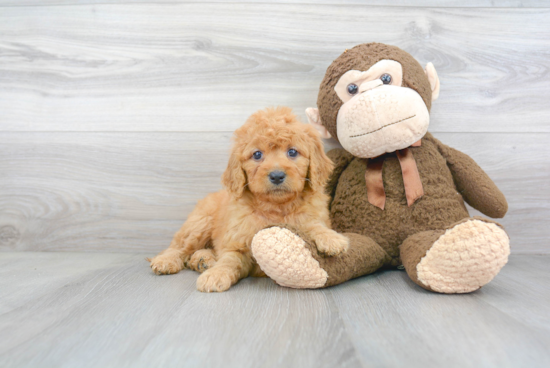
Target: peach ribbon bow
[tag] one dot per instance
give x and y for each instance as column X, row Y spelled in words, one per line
column 411, row 178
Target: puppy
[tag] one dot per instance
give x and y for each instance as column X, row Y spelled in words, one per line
column 276, row 174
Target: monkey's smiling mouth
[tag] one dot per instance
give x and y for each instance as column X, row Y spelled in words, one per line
column 382, row 127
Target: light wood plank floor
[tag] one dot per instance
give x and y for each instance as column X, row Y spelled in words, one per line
column 109, row 310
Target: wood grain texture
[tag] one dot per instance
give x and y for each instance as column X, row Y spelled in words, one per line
column 127, row 190
column 132, row 191
column 526, row 285
column 110, row 310
column 206, row 67
column 123, row 315
column 116, row 117
column 432, row 330
column 392, row 3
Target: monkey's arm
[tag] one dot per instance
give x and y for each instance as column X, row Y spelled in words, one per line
column 475, row 186
column 341, row 159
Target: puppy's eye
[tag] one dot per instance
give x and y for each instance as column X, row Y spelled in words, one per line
column 352, row 89
column 385, row 78
column 292, row 152
column 257, row 155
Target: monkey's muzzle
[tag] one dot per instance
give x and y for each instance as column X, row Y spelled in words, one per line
column 382, row 119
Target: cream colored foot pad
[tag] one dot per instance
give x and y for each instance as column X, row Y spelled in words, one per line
column 283, row 256
column 465, row 258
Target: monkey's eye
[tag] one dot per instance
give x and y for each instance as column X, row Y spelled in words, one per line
column 385, row 78
column 257, row 155
column 292, row 152
column 352, row 89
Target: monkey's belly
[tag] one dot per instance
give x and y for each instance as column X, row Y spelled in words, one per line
column 440, row 206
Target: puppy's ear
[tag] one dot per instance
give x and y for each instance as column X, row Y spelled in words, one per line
column 320, row 166
column 234, row 178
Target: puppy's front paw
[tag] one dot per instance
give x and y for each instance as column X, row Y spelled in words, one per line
column 165, row 264
column 202, row 260
column 214, row 280
column 332, row 243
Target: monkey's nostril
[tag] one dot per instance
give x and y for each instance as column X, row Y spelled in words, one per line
column 277, row 177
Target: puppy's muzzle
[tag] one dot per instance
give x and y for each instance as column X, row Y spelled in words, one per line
column 277, row 177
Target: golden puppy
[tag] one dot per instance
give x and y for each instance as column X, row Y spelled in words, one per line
column 276, row 174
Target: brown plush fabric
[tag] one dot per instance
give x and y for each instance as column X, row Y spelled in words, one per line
column 362, row 57
column 363, row 257
column 399, row 233
column 440, row 206
column 414, row 248
column 341, row 159
column 473, row 183
column 417, row 226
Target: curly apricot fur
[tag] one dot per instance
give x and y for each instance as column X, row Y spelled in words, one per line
column 229, row 219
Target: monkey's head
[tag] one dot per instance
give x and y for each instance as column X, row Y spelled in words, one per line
column 374, row 99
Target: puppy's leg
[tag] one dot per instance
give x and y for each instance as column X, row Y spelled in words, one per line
column 193, row 235
column 328, row 241
column 202, row 260
column 230, row 268
column 167, row 262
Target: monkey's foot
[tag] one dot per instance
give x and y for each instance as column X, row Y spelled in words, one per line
column 287, row 259
column 466, row 257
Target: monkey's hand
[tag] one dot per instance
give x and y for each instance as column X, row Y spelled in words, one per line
column 475, row 186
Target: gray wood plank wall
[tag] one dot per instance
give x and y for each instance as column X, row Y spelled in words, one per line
column 408, row 3
column 116, row 116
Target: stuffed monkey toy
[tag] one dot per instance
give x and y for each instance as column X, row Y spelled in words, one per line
column 397, row 193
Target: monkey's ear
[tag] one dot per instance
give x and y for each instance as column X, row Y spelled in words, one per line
column 314, row 119
column 434, row 80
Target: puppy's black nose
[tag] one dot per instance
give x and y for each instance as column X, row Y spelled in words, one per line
column 277, row 177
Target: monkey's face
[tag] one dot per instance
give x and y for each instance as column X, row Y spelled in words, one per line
column 378, row 114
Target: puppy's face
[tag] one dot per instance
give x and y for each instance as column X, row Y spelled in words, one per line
column 277, row 171
column 276, row 157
